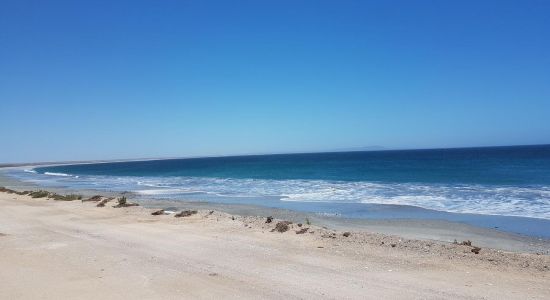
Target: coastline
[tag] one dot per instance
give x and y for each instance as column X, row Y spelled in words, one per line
column 428, row 229
column 88, row 252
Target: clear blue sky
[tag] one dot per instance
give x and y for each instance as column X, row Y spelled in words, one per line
column 101, row 80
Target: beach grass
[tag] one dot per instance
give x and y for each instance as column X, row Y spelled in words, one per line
column 39, row 194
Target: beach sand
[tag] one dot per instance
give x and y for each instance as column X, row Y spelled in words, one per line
column 73, row 249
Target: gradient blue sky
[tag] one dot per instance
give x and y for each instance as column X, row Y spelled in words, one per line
column 126, row 79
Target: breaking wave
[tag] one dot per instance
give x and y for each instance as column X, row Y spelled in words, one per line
column 525, row 201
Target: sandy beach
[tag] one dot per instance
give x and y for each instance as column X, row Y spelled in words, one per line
column 73, row 249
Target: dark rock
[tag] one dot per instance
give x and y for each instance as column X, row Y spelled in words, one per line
column 476, row 250
column 302, row 231
column 269, row 219
column 393, row 245
column 299, row 224
column 467, row 243
column 158, row 212
column 185, row 213
column 346, row 234
column 282, row 226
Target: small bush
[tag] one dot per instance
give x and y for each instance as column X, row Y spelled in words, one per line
column 95, row 198
column 70, row 197
column 122, row 201
column 308, row 222
column 39, row 194
column 6, row 190
column 10, row 191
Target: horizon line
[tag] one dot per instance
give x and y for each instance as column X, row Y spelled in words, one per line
column 99, row 161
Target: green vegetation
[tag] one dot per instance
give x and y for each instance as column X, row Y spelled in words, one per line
column 39, row 194
column 308, row 222
column 122, row 201
column 70, row 197
column 5, row 190
column 10, row 191
column 43, row 194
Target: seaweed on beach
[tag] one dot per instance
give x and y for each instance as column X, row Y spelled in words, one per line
column 158, row 212
column 302, row 231
column 282, row 226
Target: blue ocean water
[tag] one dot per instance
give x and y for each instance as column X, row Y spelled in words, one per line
column 502, row 181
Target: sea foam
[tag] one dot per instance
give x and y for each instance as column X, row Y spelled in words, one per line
column 56, row 174
column 524, row 201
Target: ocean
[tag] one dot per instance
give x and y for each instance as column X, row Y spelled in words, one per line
column 435, row 183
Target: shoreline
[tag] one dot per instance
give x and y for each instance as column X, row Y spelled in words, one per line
column 439, row 230
column 524, row 224
column 112, row 251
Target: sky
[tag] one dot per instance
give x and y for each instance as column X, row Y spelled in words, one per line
column 132, row 79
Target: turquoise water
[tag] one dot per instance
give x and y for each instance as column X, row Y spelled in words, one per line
column 452, row 184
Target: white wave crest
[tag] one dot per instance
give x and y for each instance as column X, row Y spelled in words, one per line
column 524, row 201
column 153, row 192
column 57, row 174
